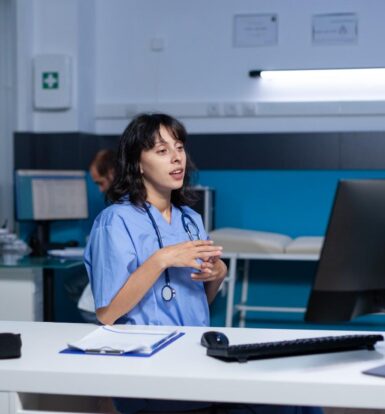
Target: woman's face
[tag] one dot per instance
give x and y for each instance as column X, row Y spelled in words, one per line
column 163, row 166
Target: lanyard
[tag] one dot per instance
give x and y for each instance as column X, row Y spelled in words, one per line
column 191, row 228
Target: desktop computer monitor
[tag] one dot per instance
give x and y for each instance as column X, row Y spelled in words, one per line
column 350, row 278
column 51, row 195
column 47, row 195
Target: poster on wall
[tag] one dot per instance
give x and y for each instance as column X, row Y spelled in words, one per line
column 337, row 28
column 252, row 30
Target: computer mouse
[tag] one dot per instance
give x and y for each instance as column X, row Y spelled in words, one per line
column 214, row 339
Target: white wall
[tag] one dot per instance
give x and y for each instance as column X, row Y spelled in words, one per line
column 199, row 65
column 116, row 73
column 7, row 108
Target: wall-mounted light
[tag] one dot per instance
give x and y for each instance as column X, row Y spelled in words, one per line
column 313, row 74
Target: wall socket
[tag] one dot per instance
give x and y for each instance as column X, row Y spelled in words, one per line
column 230, row 109
column 213, row 110
column 249, row 108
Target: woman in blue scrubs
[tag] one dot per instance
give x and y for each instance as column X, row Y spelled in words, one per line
column 148, row 257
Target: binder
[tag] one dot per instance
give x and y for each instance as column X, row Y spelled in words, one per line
column 124, row 340
column 377, row 371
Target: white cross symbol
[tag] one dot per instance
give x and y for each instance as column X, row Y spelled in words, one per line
column 50, row 80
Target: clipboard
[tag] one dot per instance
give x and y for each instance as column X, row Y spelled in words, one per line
column 376, row 371
column 124, row 340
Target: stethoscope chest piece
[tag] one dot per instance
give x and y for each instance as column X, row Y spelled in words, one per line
column 168, row 293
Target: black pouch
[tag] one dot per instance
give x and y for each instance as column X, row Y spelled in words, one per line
column 10, row 345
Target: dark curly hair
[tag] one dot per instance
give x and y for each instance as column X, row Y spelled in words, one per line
column 140, row 135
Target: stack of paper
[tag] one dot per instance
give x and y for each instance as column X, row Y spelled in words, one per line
column 120, row 339
column 68, row 253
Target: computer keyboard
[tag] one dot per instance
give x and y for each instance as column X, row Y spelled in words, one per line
column 242, row 353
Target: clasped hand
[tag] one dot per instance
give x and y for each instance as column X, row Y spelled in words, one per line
column 202, row 255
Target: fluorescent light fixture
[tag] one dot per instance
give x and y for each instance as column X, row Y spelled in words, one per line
column 312, row 74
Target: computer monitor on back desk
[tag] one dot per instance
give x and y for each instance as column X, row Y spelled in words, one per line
column 350, row 278
column 47, row 195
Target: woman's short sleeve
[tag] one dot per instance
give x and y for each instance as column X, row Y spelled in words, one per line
column 110, row 258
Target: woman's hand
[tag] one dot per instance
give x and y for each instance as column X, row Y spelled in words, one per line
column 211, row 269
column 187, row 254
column 213, row 272
column 201, row 255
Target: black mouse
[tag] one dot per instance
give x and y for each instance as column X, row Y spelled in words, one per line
column 214, row 339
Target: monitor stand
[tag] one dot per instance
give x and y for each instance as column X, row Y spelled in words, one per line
column 40, row 240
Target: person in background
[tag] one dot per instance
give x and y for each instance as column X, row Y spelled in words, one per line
column 102, row 169
column 148, row 257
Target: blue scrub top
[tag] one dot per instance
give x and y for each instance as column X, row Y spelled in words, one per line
column 121, row 239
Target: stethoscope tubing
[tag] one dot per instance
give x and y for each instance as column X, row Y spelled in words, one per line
column 168, row 292
column 185, row 226
column 159, row 237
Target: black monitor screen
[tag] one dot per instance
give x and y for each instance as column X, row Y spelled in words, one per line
column 350, row 278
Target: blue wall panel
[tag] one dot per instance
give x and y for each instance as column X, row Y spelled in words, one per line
column 296, row 203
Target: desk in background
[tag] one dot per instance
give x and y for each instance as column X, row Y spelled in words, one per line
column 27, row 286
column 182, row 371
column 242, row 246
column 242, row 307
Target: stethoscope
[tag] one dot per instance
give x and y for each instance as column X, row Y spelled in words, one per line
column 168, row 292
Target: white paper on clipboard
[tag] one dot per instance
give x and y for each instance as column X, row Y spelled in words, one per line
column 119, row 339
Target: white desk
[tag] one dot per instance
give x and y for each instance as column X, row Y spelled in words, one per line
column 182, row 371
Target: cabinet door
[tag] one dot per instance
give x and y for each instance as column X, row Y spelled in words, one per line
column 21, row 294
column 4, row 403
